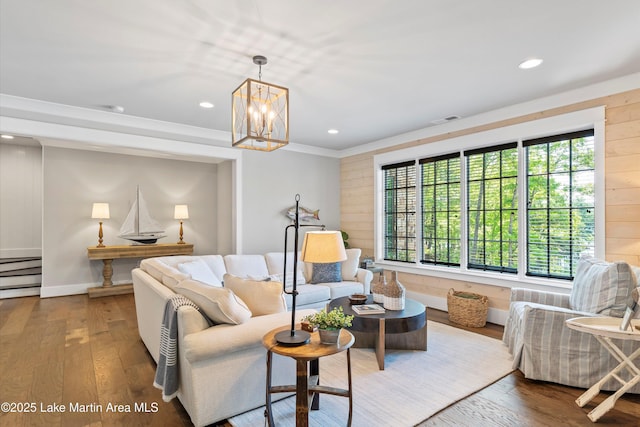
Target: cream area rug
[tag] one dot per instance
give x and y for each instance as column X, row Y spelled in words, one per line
column 414, row 385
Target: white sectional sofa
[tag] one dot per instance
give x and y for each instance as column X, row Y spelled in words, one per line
column 223, row 367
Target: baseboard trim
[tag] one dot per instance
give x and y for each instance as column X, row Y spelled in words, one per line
column 64, row 290
column 16, row 293
column 494, row 315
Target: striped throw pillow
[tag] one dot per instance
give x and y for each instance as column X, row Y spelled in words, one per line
column 602, row 287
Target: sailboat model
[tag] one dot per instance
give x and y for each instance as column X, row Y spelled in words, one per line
column 139, row 226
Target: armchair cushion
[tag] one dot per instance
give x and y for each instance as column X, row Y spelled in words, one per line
column 602, row 287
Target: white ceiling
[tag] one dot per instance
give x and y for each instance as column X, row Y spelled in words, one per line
column 371, row 69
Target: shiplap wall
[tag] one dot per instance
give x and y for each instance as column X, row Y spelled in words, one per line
column 622, row 182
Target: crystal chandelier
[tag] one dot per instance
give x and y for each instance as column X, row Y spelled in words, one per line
column 260, row 113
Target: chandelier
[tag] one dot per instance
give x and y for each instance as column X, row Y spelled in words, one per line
column 260, row 113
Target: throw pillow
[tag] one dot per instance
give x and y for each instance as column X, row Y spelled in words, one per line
column 326, row 272
column 200, row 271
column 602, row 287
column 350, row 265
column 261, row 296
column 221, row 305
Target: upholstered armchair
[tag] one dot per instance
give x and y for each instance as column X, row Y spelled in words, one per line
column 544, row 348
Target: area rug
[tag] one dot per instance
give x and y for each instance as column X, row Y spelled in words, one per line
column 413, row 386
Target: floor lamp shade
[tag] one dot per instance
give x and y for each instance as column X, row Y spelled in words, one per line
column 323, row 247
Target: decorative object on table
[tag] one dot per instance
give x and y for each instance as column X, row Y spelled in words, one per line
column 139, row 226
column 329, row 323
column 304, row 214
column 306, row 326
column 467, row 308
column 100, row 211
column 260, row 113
column 378, row 287
column 320, row 247
column 368, row 309
column 394, row 294
column 357, row 299
column 366, row 262
column 345, row 238
column 631, row 311
column 181, row 212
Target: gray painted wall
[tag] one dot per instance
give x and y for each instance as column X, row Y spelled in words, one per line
column 270, row 183
column 75, row 179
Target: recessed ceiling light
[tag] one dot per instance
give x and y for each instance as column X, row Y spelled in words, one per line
column 3, row 136
column 333, row 131
column 113, row 108
column 206, row 104
column 530, row 63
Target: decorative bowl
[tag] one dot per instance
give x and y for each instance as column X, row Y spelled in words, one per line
column 357, row 299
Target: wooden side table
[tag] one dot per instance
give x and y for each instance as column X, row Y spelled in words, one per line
column 604, row 329
column 306, row 386
column 108, row 253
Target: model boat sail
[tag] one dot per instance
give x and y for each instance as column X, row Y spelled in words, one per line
column 139, row 226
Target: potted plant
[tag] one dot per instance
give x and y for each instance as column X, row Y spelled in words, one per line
column 329, row 324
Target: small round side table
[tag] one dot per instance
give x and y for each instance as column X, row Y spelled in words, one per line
column 307, row 385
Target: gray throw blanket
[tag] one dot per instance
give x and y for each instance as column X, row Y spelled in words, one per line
column 167, row 371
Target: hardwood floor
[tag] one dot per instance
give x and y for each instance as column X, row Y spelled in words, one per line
column 85, row 355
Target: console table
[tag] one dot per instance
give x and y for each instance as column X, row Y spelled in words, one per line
column 605, row 330
column 307, row 387
column 108, row 253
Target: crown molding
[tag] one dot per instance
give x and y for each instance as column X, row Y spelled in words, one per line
column 105, row 121
column 598, row 90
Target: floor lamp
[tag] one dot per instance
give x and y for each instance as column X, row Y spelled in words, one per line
column 318, row 247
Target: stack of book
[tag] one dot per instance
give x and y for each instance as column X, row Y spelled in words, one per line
column 368, row 309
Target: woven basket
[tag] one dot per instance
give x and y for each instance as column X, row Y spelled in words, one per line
column 467, row 308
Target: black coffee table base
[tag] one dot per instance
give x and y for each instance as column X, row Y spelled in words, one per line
column 396, row 329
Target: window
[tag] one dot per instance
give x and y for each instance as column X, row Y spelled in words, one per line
column 441, row 210
column 492, row 208
column 560, row 203
column 400, row 212
column 510, row 206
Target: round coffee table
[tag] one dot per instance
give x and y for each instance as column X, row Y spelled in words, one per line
column 395, row 329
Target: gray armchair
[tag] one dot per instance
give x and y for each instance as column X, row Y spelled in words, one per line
column 544, row 348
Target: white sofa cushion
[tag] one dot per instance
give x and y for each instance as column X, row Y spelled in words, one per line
column 163, row 273
column 221, row 305
column 275, row 264
column 343, row 289
column 246, row 266
column 350, row 266
column 165, row 269
column 261, row 296
column 309, row 295
column 200, row 271
column 602, row 287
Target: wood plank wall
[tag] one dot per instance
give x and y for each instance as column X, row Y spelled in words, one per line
column 622, row 182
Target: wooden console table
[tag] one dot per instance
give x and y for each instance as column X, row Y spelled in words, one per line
column 108, row 253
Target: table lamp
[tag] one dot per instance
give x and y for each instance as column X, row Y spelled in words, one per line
column 318, row 247
column 181, row 212
column 100, row 211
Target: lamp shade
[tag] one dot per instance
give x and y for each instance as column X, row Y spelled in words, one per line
column 100, row 211
column 181, row 212
column 323, row 247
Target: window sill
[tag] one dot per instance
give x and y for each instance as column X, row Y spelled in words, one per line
column 504, row 280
